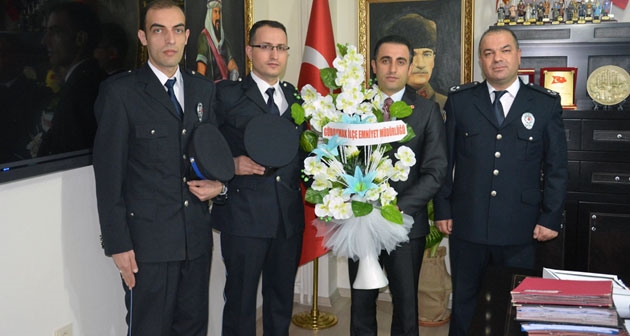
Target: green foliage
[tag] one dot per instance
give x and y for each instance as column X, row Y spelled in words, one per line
column 361, row 208
column 314, row 196
column 378, row 113
column 308, row 141
column 387, row 147
column 328, row 76
column 400, row 109
column 435, row 236
column 410, row 135
column 392, row 214
column 297, row 112
column 343, row 49
column 433, row 240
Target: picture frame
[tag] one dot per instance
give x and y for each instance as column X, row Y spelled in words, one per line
column 527, row 75
column 238, row 20
column 563, row 81
column 375, row 15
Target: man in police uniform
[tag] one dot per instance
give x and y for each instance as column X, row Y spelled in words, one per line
column 154, row 222
column 422, row 33
column 262, row 221
column 493, row 208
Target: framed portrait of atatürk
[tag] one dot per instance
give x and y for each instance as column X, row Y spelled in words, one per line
column 439, row 31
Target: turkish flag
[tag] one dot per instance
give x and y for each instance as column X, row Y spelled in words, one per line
column 558, row 80
column 620, row 3
column 319, row 53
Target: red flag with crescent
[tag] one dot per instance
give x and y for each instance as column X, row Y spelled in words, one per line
column 319, row 53
column 558, row 80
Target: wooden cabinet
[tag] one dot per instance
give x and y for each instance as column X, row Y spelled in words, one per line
column 596, row 231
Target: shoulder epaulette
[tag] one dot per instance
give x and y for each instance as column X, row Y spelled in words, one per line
column 226, row 83
column 199, row 75
column 542, row 89
column 286, row 84
column 462, row 87
column 120, row 75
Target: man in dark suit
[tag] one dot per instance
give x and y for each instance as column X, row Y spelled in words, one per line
column 72, row 33
column 154, row 223
column 392, row 66
column 504, row 138
column 262, row 220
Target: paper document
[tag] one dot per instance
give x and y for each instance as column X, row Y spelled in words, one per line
column 621, row 293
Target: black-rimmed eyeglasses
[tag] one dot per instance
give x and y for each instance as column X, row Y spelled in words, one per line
column 271, row 47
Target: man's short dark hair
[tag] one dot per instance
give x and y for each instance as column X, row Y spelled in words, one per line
column 396, row 39
column 82, row 18
column 155, row 4
column 262, row 23
column 497, row 30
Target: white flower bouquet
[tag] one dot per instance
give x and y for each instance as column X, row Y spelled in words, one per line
column 351, row 164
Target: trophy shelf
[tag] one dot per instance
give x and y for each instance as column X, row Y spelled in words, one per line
column 584, row 46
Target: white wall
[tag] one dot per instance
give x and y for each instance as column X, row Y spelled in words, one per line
column 53, row 269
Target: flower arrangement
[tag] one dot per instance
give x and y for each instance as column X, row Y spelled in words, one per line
column 351, row 162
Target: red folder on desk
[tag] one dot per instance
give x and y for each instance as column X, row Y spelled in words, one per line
column 533, row 290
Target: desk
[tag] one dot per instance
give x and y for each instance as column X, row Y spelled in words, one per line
column 494, row 314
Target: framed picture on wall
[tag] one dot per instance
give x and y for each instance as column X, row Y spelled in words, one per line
column 218, row 35
column 440, row 32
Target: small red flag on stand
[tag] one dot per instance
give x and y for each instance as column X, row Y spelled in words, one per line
column 319, row 53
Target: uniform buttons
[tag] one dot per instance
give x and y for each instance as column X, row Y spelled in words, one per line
column 497, row 155
column 493, row 193
column 466, row 134
column 185, row 203
column 184, row 131
column 132, row 214
column 495, row 172
column 531, row 138
column 184, row 156
column 499, row 136
column 278, row 179
column 184, row 179
column 152, row 131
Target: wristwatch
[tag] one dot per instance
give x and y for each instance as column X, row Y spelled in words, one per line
column 222, row 196
column 224, row 190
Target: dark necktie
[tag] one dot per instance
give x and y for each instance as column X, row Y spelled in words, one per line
column 271, row 105
column 388, row 102
column 171, row 93
column 498, row 107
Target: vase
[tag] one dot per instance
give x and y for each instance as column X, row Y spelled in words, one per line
column 370, row 274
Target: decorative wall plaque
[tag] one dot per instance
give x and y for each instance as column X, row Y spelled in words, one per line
column 608, row 85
